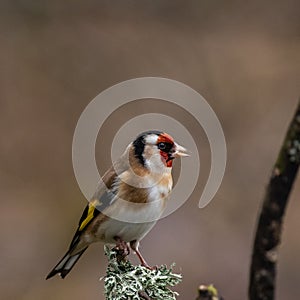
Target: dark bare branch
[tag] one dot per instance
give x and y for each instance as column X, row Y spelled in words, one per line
column 268, row 234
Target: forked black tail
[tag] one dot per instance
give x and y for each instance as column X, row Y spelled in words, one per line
column 66, row 264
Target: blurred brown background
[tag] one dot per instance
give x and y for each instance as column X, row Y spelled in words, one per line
column 56, row 56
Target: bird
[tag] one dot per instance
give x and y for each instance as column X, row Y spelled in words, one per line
column 136, row 186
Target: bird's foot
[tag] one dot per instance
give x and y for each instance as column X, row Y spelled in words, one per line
column 122, row 249
column 134, row 246
column 153, row 268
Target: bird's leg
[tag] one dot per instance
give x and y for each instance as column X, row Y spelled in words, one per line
column 134, row 246
column 121, row 248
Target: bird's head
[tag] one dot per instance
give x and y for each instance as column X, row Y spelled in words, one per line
column 155, row 150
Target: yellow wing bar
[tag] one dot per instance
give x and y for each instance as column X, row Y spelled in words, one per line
column 90, row 214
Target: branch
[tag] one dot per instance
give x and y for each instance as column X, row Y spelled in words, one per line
column 126, row 281
column 268, row 234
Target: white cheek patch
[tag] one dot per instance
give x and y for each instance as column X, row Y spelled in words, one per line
column 153, row 159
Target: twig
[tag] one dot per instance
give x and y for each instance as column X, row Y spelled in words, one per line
column 144, row 295
column 268, row 234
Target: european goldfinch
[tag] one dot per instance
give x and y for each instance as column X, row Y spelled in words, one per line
column 142, row 175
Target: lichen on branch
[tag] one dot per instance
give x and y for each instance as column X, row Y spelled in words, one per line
column 125, row 281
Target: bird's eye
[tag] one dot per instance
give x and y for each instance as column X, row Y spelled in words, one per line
column 161, row 146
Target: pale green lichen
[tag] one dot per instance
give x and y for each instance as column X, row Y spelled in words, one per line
column 125, row 281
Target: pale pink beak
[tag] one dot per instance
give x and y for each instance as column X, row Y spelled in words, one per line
column 180, row 151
